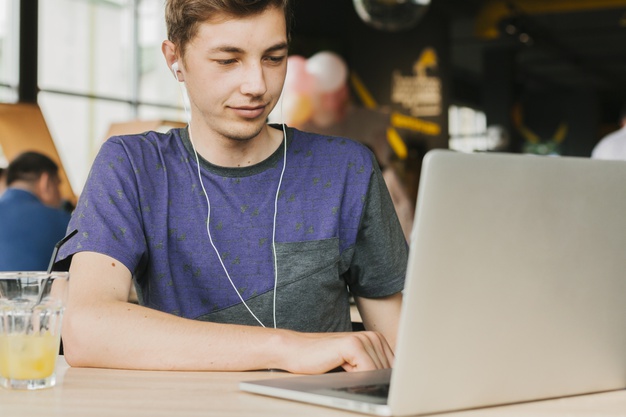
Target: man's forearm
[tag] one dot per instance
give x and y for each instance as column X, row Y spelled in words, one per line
column 129, row 336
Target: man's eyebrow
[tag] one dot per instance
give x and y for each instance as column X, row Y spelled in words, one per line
column 230, row 49
column 236, row 50
column 278, row 47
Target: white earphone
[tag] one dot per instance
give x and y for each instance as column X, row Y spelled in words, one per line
column 175, row 69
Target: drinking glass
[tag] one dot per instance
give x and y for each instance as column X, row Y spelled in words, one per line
column 31, row 313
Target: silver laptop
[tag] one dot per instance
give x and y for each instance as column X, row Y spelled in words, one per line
column 515, row 290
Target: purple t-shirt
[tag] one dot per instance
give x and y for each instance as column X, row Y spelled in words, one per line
column 144, row 206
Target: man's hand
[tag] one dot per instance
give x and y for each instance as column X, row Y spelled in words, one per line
column 313, row 353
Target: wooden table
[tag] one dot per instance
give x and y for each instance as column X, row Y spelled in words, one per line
column 84, row 392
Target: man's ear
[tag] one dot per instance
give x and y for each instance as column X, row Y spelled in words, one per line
column 47, row 189
column 169, row 52
column 41, row 186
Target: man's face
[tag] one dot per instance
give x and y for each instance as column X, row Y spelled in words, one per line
column 234, row 73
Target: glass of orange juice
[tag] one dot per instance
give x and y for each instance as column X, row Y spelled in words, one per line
column 31, row 313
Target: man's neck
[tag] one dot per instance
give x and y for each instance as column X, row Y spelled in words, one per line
column 232, row 153
column 24, row 186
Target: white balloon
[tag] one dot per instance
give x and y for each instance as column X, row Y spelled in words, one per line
column 329, row 69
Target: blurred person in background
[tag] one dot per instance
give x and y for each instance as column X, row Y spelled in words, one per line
column 3, row 180
column 613, row 145
column 31, row 220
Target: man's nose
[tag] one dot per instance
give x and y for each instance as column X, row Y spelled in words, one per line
column 254, row 80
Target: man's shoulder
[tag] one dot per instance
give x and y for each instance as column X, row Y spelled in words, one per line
column 144, row 146
column 326, row 140
column 25, row 202
column 335, row 146
column 16, row 197
column 149, row 138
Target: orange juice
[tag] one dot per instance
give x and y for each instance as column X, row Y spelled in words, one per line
column 31, row 356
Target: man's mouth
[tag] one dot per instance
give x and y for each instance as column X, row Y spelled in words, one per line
column 248, row 112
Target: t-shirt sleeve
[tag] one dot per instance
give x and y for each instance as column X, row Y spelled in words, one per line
column 379, row 261
column 108, row 212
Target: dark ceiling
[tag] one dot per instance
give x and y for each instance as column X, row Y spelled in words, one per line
column 557, row 44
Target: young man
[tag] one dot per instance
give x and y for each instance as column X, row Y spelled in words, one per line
column 242, row 238
column 31, row 222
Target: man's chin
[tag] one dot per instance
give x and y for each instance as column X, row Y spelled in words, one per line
column 246, row 131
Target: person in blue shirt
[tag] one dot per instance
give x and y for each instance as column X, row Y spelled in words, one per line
column 31, row 222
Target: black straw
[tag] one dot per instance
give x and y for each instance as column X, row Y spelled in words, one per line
column 60, row 243
column 57, row 247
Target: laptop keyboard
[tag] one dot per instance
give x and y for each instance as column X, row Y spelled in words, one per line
column 374, row 390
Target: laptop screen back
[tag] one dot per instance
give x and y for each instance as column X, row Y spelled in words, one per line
column 517, row 282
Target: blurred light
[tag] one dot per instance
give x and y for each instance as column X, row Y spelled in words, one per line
column 391, row 15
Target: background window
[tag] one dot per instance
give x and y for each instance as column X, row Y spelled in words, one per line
column 9, row 50
column 104, row 66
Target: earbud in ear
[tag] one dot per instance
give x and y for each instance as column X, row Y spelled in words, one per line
column 174, row 68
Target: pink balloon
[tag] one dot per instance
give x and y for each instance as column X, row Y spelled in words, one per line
column 297, row 63
column 298, row 79
column 329, row 70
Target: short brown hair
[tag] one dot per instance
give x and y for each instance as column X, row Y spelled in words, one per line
column 29, row 166
column 182, row 17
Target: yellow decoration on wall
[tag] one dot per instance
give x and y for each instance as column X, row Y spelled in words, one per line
column 399, row 120
column 396, row 143
column 364, row 95
column 402, row 121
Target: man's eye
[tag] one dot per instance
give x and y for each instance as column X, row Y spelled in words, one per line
column 276, row 59
column 225, row 61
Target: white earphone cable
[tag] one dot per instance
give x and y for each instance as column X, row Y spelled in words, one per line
column 280, row 181
column 206, row 195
